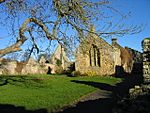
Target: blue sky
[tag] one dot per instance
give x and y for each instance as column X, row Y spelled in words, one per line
column 140, row 14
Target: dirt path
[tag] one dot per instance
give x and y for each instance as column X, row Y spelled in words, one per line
column 96, row 95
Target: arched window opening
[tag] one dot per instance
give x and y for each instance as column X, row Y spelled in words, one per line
column 94, row 55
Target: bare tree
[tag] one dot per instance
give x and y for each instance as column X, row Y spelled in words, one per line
column 48, row 20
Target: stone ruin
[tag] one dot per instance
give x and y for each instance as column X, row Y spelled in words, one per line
column 33, row 67
column 8, row 67
column 139, row 96
column 146, row 60
column 24, row 68
column 94, row 57
column 97, row 57
column 60, row 58
column 145, row 86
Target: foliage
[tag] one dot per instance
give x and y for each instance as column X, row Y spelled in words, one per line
column 58, row 62
column 59, row 70
column 90, row 73
column 75, row 73
column 46, row 92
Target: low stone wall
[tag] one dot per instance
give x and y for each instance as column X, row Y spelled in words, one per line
column 34, row 69
column 24, row 68
column 8, row 68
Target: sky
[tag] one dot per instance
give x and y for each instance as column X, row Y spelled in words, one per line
column 140, row 14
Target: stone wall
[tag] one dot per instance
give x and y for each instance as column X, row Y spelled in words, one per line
column 137, row 56
column 138, row 101
column 28, row 67
column 114, row 59
column 9, row 68
column 126, row 57
column 108, row 58
column 146, row 60
column 33, row 67
column 60, row 57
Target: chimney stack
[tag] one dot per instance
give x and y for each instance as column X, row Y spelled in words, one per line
column 114, row 41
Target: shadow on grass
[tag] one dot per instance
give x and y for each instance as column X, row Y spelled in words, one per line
column 104, row 105
column 101, row 105
column 20, row 81
column 13, row 109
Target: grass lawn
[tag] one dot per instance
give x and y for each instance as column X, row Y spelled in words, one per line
column 49, row 92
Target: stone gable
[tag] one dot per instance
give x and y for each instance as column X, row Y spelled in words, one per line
column 95, row 55
column 60, row 58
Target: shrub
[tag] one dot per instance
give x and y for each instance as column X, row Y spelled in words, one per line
column 75, row 73
column 59, row 70
column 58, row 62
column 67, row 71
column 90, row 73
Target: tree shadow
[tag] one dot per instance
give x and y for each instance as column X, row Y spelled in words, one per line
column 13, row 109
column 21, row 81
column 104, row 105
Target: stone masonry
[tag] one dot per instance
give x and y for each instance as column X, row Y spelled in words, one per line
column 138, row 101
column 146, row 60
column 60, row 57
column 33, row 67
column 97, row 57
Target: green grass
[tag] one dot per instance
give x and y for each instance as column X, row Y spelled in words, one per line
column 46, row 92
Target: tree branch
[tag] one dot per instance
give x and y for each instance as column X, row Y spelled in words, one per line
column 16, row 47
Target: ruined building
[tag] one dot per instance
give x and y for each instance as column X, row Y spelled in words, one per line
column 58, row 59
column 95, row 56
